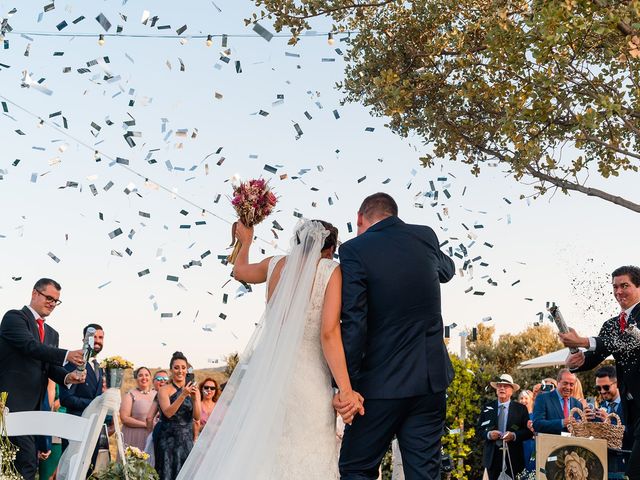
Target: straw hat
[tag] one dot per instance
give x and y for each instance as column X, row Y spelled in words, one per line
column 506, row 379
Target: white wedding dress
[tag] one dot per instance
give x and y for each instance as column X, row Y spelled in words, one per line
column 308, row 447
column 275, row 419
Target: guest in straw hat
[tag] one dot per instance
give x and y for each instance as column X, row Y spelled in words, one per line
column 503, row 425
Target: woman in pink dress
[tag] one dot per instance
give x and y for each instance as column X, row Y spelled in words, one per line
column 134, row 407
column 209, row 392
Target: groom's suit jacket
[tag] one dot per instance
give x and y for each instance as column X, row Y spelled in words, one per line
column 26, row 363
column 391, row 315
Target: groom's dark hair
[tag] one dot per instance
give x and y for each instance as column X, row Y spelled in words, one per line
column 379, row 205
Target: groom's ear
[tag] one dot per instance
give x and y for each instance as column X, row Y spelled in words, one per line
column 360, row 219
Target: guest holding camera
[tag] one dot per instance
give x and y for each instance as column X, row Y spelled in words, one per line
column 179, row 406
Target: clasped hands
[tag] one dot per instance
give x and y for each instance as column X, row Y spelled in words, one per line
column 505, row 437
column 75, row 377
column 348, row 404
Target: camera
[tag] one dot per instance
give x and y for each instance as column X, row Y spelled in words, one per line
column 547, row 387
column 190, row 378
column 446, row 465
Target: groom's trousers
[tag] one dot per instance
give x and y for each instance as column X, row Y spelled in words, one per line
column 418, row 422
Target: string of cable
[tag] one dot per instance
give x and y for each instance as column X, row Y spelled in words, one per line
column 127, row 167
column 209, row 37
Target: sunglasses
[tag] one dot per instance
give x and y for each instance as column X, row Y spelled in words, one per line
column 207, row 387
column 161, row 379
column 603, row 388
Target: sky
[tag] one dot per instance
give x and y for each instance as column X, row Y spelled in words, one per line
column 192, row 131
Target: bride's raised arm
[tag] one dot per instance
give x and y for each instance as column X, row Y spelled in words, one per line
column 244, row 271
column 331, row 339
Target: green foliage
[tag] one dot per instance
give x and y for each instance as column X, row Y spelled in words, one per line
column 386, row 467
column 137, row 469
column 513, row 82
column 508, row 351
column 462, row 411
column 232, row 360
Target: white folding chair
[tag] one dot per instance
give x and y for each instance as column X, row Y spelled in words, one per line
column 82, row 432
column 71, row 427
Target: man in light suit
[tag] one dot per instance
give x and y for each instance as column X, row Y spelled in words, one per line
column 393, row 339
column 503, row 423
column 551, row 409
column 30, row 356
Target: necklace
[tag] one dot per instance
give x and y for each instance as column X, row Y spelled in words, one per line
column 144, row 392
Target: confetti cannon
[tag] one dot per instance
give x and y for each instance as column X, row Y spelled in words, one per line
column 560, row 323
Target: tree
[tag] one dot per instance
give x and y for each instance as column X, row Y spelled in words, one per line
column 549, row 90
column 509, row 350
column 463, row 407
column 232, row 360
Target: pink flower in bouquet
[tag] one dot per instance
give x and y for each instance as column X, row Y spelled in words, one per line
column 253, row 201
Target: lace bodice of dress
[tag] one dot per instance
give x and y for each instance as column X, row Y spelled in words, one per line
column 308, row 446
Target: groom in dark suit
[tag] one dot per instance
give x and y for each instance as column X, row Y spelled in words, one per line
column 393, row 339
column 30, row 356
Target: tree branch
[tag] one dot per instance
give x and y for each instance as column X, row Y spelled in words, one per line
column 596, row 140
column 591, row 192
column 329, row 11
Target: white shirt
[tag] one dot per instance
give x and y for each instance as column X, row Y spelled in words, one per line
column 37, row 316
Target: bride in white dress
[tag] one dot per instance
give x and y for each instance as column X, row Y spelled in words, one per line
column 275, row 418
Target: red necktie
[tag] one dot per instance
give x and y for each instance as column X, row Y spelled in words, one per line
column 565, row 409
column 623, row 321
column 41, row 329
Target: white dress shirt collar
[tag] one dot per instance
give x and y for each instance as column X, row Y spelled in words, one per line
column 36, row 315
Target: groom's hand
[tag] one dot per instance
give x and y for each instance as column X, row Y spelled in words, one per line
column 348, row 404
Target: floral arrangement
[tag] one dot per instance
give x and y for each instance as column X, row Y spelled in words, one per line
column 115, row 362
column 135, row 452
column 137, row 468
column 7, row 449
column 253, row 201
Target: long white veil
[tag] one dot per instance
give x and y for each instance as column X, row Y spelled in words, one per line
column 240, row 439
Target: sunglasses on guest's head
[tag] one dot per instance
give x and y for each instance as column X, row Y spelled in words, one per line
column 209, row 387
column 161, row 379
column 604, row 388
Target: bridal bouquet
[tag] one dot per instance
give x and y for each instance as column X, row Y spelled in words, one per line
column 253, row 201
column 115, row 362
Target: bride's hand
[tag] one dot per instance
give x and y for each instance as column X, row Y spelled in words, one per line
column 244, row 234
column 350, row 403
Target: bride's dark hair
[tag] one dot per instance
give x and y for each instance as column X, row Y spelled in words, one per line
column 332, row 240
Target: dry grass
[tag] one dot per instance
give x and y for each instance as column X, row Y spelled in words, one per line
column 215, row 373
column 129, row 383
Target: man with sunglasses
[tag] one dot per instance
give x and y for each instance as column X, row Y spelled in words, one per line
column 30, row 356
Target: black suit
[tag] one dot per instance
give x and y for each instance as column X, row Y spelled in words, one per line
column 79, row 396
column 27, row 364
column 626, row 352
column 393, row 339
column 517, row 418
